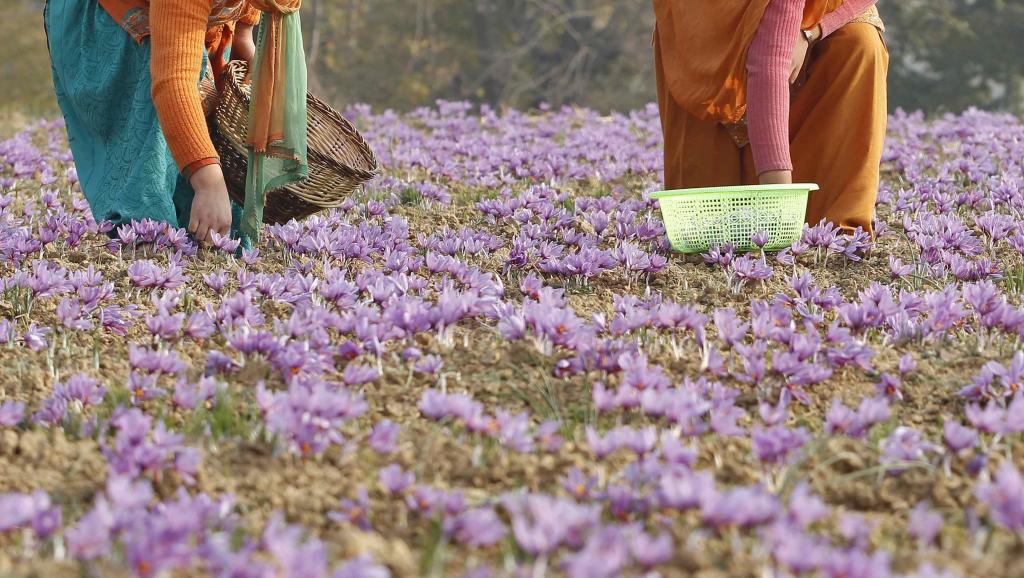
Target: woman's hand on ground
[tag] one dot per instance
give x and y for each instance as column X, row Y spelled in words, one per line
column 211, row 207
column 776, row 178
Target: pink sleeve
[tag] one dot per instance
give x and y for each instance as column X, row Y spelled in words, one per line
column 768, row 63
column 844, row 15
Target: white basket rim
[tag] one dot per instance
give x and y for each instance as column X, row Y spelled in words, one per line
column 795, row 188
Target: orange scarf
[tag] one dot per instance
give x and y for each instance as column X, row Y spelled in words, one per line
column 704, row 44
column 267, row 109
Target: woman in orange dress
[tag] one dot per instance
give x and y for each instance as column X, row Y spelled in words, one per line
column 775, row 91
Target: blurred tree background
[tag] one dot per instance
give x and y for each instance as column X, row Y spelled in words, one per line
column 946, row 54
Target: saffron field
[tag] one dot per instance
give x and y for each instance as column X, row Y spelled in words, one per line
column 489, row 364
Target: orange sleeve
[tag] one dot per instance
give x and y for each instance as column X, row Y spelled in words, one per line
column 178, row 30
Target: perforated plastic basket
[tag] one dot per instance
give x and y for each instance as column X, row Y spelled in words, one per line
column 698, row 219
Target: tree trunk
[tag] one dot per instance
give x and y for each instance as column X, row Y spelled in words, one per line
column 313, row 54
column 1014, row 92
column 485, row 31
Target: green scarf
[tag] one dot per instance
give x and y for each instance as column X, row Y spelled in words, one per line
column 284, row 159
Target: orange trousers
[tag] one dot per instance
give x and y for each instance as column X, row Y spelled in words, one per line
column 837, row 130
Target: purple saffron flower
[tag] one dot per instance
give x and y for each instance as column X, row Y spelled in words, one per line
column 383, row 438
column 924, row 524
column 958, row 437
column 744, row 507
column 224, row 242
column 476, row 528
column 1004, row 497
column 905, row 445
column 578, row 485
column 35, row 337
column 355, row 512
column 425, row 500
column 52, row 412
column 890, row 387
column 363, row 566
column 80, row 390
column 22, row 510
column 540, row 524
column 778, row 444
column 11, row 413
column 907, row 364
column 926, row 570
column 548, row 437
column 649, row 551
column 355, row 374
column 429, row 364
column 395, row 480
column 991, row 419
column 805, row 508
column 856, row 528
column 91, row 537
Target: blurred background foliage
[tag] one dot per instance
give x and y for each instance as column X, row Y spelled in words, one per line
column 946, row 54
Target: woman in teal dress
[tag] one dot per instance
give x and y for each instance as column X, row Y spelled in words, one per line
column 126, row 74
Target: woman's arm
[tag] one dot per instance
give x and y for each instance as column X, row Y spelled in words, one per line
column 244, row 47
column 844, row 15
column 178, row 41
column 178, row 36
column 769, row 63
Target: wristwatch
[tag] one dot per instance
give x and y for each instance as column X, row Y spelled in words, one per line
column 809, row 35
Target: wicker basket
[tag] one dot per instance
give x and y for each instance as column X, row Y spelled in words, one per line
column 340, row 161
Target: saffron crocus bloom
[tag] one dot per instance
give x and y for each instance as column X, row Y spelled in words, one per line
column 429, row 364
column 907, row 364
column 20, row 510
column 776, row 445
column 958, row 437
column 890, row 387
column 805, row 508
column 11, row 413
column 80, row 390
column 856, row 528
column 355, row 374
column 395, row 480
column 578, row 485
column 355, row 512
column 743, row 507
column 856, row 563
column 926, row 570
column 91, row 537
column 990, row 419
column 1004, row 497
column 905, row 444
column 924, row 524
column 363, row 566
column 650, row 551
column 35, row 337
column 476, row 528
column 541, row 523
column 384, row 437
column 223, row 242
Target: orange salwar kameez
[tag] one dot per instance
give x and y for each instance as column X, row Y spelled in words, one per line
column 838, row 121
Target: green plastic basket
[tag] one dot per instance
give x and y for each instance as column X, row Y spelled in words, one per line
column 698, row 219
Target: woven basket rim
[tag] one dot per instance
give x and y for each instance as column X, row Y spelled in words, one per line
column 236, row 71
